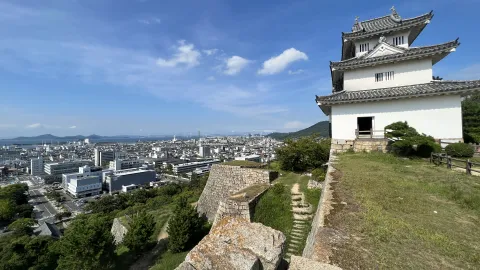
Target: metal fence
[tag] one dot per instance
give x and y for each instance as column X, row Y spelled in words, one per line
column 469, row 166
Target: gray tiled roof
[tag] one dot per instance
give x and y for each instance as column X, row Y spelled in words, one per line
column 426, row 89
column 409, row 53
column 385, row 24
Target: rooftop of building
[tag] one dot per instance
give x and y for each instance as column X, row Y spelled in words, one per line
column 433, row 88
column 385, row 24
column 437, row 52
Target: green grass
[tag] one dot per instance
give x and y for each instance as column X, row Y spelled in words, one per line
column 404, row 213
column 169, row 261
column 274, row 210
column 245, row 163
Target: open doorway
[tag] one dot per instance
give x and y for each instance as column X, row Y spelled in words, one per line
column 364, row 126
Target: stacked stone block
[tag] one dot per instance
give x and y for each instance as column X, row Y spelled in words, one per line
column 225, row 180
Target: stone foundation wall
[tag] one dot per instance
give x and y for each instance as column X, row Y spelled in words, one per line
column 359, row 145
column 340, row 146
column 369, row 145
column 225, row 180
column 237, row 209
column 118, row 231
column 324, row 207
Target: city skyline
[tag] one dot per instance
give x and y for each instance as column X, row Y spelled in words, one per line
column 143, row 67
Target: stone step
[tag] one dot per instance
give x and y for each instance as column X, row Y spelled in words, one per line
column 299, row 226
column 302, row 210
column 295, row 241
column 296, row 194
column 301, row 217
column 299, row 234
column 296, row 198
column 298, row 231
column 296, row 237
column 288, row 255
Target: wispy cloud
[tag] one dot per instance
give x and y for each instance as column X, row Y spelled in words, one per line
column 210, row 52
column 73, row 127
column 149, row 21
column 296, row 72
column 211, row 78
column 235, row 64
column 280, row 62
column 36, row 125
column 186, row 54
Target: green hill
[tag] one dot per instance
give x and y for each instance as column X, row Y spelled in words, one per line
column 320, row 128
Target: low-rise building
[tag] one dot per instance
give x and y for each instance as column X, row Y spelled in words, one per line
column 85, row 186
column 190, row 167
column 58, row 168
column 255, row 158
column 119, row 164
column 117, row 179
column 84, row 171
column 128, row 188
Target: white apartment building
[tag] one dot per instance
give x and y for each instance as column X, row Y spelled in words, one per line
column 382, row 79
column 191, row 166
column 85, row 186
column 36, row 166
column 255, row 158
column 84, row 172
column 204, row 151
column 119, row 164
column 65, row 167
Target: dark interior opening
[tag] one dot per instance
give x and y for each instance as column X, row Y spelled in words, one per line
column 364, row 125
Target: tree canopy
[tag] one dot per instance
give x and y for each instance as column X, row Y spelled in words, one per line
column 140, row 233
column 471, row 118
column 304, row 154
column 87, row 244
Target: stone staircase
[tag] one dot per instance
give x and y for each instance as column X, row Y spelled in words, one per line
column 302, row 216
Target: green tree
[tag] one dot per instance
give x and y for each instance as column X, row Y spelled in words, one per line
column 304, row 154
column 16, row 192
column 318, row 174
column 185, row 228
column 25, row 252
column 140, row 233
column 471, row 118
column 24, row 210
column 169, row 169
column 22, row 226
column 7, row 210
column 87, row 244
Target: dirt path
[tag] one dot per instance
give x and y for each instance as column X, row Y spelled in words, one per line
column 163, row 232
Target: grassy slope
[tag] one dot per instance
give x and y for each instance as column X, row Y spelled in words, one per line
column 405, row 214
column 319, row 128
column 275, row 211
column 169, row 261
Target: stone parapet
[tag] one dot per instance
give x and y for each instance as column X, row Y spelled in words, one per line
column 225, row 180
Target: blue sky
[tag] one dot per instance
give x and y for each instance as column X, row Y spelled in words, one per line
column 175, row 67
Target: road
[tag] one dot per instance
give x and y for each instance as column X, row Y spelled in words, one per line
column 42, row 207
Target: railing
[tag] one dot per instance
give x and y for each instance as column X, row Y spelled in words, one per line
column 372, row 134
column 439, row 159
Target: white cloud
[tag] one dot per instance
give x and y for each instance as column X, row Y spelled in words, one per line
column 72, row 127
column 210, row 52
column 235, row 64
column 36, row 125
column 186, row 54
column 294, row 125
column 211, row 78
column 279, row 63
column 296, row 72
column 148, row 21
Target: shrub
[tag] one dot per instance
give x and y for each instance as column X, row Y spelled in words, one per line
column 304, row 154
column 426, row 148
column 318, row 174
column 403, row 148
column 278, row 189
column 400, row 130
column 459, row 150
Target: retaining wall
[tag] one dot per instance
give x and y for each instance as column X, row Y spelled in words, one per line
column 324, row 207
column 225, row 180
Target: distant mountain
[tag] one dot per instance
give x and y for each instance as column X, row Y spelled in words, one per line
column 320, row 128
column 46, row 137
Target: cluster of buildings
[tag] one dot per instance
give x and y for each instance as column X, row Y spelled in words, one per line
column 88, row 169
